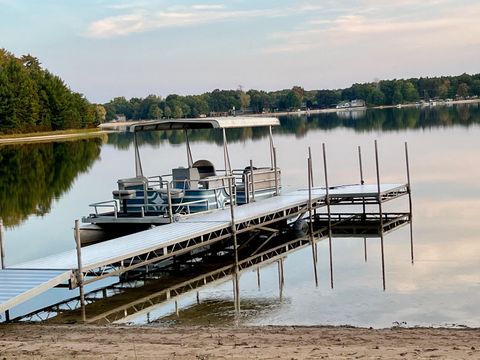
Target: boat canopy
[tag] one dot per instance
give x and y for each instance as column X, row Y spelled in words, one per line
column 203, row 123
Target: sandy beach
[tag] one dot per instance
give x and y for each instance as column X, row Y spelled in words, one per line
column 22, row 341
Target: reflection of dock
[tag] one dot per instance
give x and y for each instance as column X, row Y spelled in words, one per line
column 251, row 232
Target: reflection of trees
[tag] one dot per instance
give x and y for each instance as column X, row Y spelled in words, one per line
column 122, row 140
column 378, row 119
column 34, row 174
column 386, row 119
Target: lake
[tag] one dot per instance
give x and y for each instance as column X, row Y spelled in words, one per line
column 45, row 187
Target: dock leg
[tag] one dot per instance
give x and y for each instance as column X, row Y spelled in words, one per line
column 327, row 199
column 365, row 248
column 236, row 291
column 281, row 280
column 312, row 238
column 79, row 270
column 409, row 202
column 2, row 261
column 381, row 215
column 258, row 277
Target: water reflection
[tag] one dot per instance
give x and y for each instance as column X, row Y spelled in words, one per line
column 32, row 175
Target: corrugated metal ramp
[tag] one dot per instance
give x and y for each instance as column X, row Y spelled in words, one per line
column 19, row 285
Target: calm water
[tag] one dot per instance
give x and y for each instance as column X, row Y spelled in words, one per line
column 44, row 188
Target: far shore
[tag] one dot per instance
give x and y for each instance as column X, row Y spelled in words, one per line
column 37, row 341
column 52, row 136
column 108, row 127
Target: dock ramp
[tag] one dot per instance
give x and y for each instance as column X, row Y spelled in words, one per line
column 19, row 285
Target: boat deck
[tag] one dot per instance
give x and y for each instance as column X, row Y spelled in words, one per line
column 128, row 252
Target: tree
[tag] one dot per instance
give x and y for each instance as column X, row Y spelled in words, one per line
column 462, row 90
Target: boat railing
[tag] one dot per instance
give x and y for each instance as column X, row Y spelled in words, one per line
column 109, row 204
column 257, row 179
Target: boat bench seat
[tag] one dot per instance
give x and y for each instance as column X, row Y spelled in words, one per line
column 174, row 193
column 213, row 182
column 124, row 194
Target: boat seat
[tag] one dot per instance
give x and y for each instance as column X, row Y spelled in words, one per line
column 185, row 178
column 174, row 193
column 205, row 168
column 124, row 194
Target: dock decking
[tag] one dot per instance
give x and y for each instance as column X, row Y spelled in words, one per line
column 24, row 281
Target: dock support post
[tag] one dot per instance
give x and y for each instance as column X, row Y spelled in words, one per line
column 2, row 246
column 2, row 261
column 169, row 200
column 312, row 239
column 365, row 248
column 80, row 270
column 360, row 165
column 258, row 277
column 252, row 180
column 236, row 289
column 177, row 311
column 381, row 214
column 276, row 171
column 281, row 279
column 409, row 202
column 327, row 199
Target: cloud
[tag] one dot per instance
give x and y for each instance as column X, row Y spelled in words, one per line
column 140, row 20
column 455, row 27
column 143, row 21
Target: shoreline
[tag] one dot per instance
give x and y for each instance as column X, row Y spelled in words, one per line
column 106, row 128
column 27, row 341
column 32, row 138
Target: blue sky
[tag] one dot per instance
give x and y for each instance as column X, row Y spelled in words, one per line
column 109, row 48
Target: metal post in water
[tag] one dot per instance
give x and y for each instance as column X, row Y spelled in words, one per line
column 2, row 246
column 198, row 297
column 258, row 277
column 381, row 214
column 271, row 146
column 177, row 311
column 2, row 261
column 360, row 165
column 327, row 199
column 252, row 180
column 138, row 162
column 169, row 202
column 80, row 268
column 409, row 202
column 312, row 239
column 365, row 248
column 236, row 290
column 362, row 181
column 226, row 155
column 281, row 280
column 275, row 170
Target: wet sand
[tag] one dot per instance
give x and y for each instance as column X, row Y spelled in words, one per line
column 121, row 342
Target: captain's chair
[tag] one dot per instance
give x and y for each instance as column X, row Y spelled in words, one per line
column 205, row 168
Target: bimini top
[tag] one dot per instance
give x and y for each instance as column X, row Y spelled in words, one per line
column 203, row 123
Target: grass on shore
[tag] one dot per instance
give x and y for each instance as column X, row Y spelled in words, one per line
column 49, row 133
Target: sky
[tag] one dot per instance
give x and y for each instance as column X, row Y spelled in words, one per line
column 109, row 48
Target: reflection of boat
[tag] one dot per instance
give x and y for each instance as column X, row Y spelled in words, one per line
column 141, row 202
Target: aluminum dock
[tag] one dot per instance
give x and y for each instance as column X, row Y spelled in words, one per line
column 114, row 257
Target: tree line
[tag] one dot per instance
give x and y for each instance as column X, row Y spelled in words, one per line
column 33, row 99
column 220, row 102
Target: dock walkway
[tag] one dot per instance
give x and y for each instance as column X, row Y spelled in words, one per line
column 26, row 280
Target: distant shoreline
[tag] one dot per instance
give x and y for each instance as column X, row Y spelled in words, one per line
column 51, row 136
column 106, row 128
